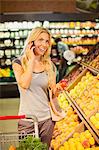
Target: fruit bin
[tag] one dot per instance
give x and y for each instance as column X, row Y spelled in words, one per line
column 78, row 78
column 83, row 116
column 62, row 100
column 79, row 105
column 84, row 92
column 82, row 138
column 81, row 119
column 91, row 54
column 74, row 83
column 64, row 128
column 85, row 119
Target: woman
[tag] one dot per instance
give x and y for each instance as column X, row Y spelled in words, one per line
column 35, row 74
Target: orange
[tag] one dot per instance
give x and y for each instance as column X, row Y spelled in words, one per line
column 12, row 147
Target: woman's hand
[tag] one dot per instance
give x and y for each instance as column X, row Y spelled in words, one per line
column 57, row 88
column 28, row 57
column 30, row 52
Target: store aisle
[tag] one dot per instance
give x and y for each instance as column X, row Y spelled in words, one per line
column 8, row 107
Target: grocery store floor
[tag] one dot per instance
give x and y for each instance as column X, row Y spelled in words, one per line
column 8, row 107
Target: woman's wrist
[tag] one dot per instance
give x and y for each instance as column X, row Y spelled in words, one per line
column 31, row 61
column 30, row 65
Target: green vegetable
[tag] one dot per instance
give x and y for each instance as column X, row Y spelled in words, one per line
column 32, row 143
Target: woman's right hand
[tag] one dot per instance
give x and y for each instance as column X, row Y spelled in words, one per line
column 30, row 52
column 28, row 57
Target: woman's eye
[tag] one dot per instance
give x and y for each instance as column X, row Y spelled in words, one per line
column 47, row 41
column 40, row 39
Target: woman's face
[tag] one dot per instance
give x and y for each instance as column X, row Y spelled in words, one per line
column 42, row 44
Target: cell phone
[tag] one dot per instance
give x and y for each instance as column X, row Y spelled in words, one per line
column 32, row 44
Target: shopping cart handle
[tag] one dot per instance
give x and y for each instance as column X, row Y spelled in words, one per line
column 33, row 117
column 12, row 117
column 19, row 117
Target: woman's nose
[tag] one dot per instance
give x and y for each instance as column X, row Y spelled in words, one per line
column 44, row 43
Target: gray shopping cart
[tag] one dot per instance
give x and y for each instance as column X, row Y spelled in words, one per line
column 14, row 138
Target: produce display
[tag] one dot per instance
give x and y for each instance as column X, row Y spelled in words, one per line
column 7, row 75
column 7, row 72
column 86, row 93
column 80, row 41
column 63, row 102
column 91, row 55
column 80, row 141
column 94, row 119
column 64, row 127
column 80, row 50
column 95, row 63
column 73, row 75
column 68, row 134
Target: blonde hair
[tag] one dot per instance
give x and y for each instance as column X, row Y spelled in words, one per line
column 49, row 67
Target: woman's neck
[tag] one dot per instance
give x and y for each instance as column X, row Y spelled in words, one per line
column 38, row 59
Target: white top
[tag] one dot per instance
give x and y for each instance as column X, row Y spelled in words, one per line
column 35, row 99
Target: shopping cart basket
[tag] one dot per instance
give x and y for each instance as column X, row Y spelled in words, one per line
column 13, row 138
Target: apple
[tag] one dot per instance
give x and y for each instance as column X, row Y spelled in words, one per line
column 63, row 83
column 85, row 143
